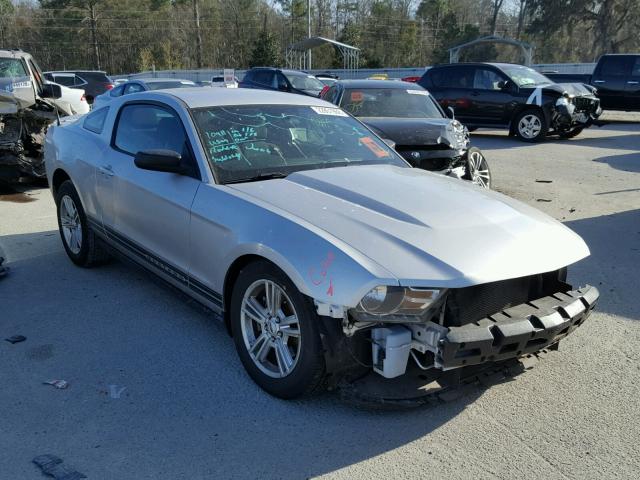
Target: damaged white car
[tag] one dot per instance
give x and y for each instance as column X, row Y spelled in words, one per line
column 28, row 105
column 330, row 259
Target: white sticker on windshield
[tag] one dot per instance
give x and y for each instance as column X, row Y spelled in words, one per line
column 25, row 84
column 418, row 92
column 329, row 111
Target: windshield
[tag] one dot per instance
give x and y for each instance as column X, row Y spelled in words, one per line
column 305, row 82
column 12, row 68
column 248, row 141
column 170, row 84
column 525, row 76
column 390, row 102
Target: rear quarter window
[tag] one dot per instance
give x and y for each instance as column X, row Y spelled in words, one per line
column 94, row 122
column 451, row 77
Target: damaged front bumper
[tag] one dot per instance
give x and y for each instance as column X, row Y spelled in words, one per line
column 510, row 333
column 571, row 112
column 516, row 331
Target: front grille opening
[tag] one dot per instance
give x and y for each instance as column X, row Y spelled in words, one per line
column 471, row 352
column 511, row 347
column 471, row 304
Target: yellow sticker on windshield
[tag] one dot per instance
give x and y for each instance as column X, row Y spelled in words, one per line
column 372, row 145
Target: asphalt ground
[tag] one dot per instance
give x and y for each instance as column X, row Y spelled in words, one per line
column 156, row 389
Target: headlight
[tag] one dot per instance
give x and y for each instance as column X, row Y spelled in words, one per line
column 562, row 101
column 460, row 133
column 385, row 300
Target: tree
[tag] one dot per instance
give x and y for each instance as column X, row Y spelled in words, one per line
column 265, row 50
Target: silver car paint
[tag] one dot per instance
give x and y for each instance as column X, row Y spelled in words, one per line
column 335, row 232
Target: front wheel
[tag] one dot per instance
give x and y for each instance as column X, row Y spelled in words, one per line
column 78, row 238
column 531, row 126
column 275, row 330
column 477, row 168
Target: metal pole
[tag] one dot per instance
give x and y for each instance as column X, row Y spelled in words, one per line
column 309, row 28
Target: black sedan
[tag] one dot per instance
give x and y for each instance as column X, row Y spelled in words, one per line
column 407, row 115
column 503, row 95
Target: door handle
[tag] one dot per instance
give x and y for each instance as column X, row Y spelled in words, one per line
column 599, row 81
column 631, row 82
column 106, row 170
column 475, row 93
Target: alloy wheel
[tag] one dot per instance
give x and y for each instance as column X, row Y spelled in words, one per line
column 479, row 170
column 530, row 126
column 70, row 224
column 270, row 328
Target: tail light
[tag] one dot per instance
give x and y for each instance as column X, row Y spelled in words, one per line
column 83, row 98
column 323, row 91
column 109, row 86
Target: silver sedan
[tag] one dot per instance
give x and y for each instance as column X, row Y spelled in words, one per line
column 327, row 256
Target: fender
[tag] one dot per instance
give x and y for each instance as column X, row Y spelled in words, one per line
column 320, row 265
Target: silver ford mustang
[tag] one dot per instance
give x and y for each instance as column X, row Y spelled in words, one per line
column 329, row 258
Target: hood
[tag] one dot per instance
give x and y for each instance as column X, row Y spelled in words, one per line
column 414, row 131
column 574, row 89
column 8, row 104
column 424, row 228
column 20, row 88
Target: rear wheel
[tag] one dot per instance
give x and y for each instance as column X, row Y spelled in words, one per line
column 78, row 239
column 531, row 126
column 275, row 330
column 477, row 168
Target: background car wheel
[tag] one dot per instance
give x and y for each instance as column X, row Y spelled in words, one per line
column 478, row 171
column 531, row 126
column 574, row 132
column 275, row 330
column 79, row 241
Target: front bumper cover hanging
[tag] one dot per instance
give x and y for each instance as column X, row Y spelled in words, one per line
column 517, row 331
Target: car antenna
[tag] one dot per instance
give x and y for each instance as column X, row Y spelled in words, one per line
column 57, row 113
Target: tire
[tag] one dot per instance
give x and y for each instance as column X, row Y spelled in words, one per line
column 531, row 126
column 477, row 168
column 574, row 132
column 78, row 239
column 259, row 334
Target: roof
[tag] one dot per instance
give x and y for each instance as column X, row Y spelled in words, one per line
column 154, row 80
column 313, row 42
column 199, row 97
column 14, row 53
column 283, row 70
column 395, row 84
column 477, row 64
column 70, row 72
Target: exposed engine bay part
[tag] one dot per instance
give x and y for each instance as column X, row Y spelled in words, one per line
column 515, row 331
column 21, row 140
column 25, row 114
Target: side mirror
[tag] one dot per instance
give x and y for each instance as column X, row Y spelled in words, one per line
column 51, row 90
column 283, row 87
column 451, row 113
column 159, row 161
column 506, row 86
column 389, row 142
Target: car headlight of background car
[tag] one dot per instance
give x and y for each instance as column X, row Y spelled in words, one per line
column 392, row 300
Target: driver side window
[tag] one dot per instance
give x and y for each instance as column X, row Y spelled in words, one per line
column 133, row 88
column 486, row 79
column 281, row 82
column 143, row 127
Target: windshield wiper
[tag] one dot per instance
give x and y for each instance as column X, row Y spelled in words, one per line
column 259, row 177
